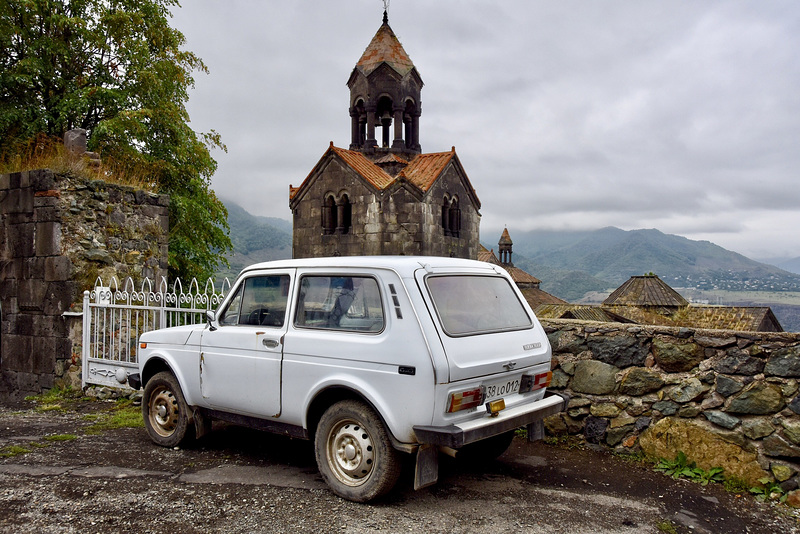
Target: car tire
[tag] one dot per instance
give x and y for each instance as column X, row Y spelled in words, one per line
column 487, row 449
column 165, row 412
column 354, row 453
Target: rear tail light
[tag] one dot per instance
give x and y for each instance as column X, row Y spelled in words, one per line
column 534, row 382
column 464, row 400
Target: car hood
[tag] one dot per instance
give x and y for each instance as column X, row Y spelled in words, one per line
column 177, row 335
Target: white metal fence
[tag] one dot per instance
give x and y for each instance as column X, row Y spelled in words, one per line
column 114, row 318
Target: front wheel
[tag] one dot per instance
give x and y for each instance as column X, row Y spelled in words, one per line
column 165, row 412
column 354, row 454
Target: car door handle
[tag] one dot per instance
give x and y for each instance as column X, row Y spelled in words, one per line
column 270, row 343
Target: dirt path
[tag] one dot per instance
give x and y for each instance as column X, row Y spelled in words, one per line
column 79, row 477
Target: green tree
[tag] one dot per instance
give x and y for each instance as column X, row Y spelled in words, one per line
column 116, row 69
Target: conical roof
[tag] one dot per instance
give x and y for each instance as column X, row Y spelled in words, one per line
column 647, row 290
column 385, row 47
column 505, row 239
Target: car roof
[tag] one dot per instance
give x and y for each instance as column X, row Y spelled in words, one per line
column 404, row 265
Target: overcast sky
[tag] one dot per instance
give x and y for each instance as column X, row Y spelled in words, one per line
column 678, row 115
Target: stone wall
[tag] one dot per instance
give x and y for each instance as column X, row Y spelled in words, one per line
column 58, row 234
column 725, row 398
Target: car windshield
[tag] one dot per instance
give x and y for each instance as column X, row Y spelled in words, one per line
column 469, row 305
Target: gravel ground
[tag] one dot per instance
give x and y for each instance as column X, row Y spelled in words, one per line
column 239, row 480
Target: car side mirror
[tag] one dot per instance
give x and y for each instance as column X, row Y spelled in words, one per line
column 211, row 319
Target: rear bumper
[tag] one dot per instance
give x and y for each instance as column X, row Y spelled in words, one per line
column 456, row 436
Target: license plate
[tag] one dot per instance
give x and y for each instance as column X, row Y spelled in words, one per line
column 502, row 388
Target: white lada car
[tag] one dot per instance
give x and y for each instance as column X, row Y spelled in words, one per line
column 369, row 357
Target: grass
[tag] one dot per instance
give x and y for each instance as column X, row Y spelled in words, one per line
column 123, row 415
column 44, row 152
column 13, row 450
column 668, row 527
column 61, row 437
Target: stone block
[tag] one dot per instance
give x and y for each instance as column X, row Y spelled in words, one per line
column 57, row 269
column 759, row 398
column 32, row 268
column 43, row 351
column 75, row 140
column 722, row 419
column 48, row 238
column 17, row 353
column 638, row 381
column 619, row 351
column 21, row 240
column 784, row 362
column 757, row 428
column 677, row 358
column 17, row 201
column 688, row 391
column 728, row 386
column 59, row 296
column 594, row 377
column 31, row 294
column 791, row 429
column 777, row 447
column 670, row 435
column 594, row 429
column 738, row 362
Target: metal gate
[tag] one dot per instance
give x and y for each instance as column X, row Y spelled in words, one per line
column 114, row 318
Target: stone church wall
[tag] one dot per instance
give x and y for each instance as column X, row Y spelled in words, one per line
column 398, row 220
column 725, row 398
column 58, row 234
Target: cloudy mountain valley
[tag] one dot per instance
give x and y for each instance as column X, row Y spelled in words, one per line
column 585, row 266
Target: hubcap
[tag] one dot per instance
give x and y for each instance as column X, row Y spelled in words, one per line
column 351, row 454
column 163, row 412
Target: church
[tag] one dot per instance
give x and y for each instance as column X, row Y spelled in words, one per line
column 382, row 195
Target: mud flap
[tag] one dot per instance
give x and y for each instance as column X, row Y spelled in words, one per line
column 427, row 469
column 202, row 423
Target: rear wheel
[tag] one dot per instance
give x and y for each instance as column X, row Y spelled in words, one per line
column 165, row 412
column 487, row 449
column 354, row 454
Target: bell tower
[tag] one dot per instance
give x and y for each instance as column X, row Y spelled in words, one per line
column 385, row 92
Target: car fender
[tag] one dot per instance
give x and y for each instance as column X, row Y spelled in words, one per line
column 190, row 385
column 399, row 422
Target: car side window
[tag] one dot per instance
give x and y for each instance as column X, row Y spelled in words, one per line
column 231, row 314
column 260, row 300
column 351, row 303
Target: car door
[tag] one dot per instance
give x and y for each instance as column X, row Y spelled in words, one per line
column 241, row 360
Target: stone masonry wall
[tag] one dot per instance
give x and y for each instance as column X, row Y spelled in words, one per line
column 58, row 234
column 725, row 398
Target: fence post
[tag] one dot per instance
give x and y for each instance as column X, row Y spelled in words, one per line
column 86, row 338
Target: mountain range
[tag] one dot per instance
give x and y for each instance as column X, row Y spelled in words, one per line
column 571, row 264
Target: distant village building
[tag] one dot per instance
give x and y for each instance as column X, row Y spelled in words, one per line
column 527, row 283
column 382, row 195
column 649, row 300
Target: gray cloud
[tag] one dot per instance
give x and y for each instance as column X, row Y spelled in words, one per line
column 684, row 116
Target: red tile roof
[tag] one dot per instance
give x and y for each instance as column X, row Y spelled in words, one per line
column 367, row 169
column 424, row 169
column 385, row 47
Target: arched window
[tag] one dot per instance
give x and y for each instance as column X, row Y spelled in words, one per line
column 344, row 214
column 329, row 213
column 455, row 218
column 446, row 215
column 451, row 216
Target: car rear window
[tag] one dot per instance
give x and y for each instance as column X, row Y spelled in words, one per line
column 468, row 305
